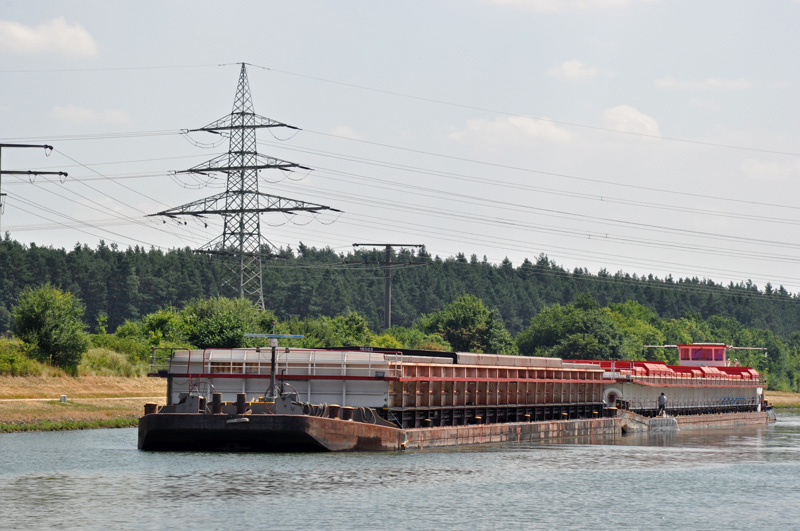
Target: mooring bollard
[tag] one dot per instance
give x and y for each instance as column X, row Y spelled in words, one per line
column 216, row 403
column 241, row 403
column 150, row 408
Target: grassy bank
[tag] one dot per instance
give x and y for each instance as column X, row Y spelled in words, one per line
column 783, row 400
column 33, row 403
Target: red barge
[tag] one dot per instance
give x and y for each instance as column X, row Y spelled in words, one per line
column 363, row 399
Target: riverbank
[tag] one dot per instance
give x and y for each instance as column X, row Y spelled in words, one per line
column 33, row 403
column 783, row 400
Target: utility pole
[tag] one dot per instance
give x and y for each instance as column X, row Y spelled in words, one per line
column 241, row 244
column 47, row 150
column 387, row 290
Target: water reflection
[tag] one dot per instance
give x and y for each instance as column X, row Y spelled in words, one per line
column 98, row 480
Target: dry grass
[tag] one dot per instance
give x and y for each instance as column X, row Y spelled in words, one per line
column 80, row 387
column 30, row 400
column 780, row 399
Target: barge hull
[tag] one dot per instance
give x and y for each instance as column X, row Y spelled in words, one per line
column 300, row 433
column 520, row 432
column 263, row 433
column 631, row 422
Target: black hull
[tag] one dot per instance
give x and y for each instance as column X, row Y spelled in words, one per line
column 262, row 433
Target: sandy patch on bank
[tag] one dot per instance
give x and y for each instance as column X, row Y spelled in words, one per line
column 81, row 387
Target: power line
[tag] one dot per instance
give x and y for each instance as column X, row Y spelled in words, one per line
column 97, row 136
column 546, row 120
column 575, row 233
column 554, row 174
column 540, row 189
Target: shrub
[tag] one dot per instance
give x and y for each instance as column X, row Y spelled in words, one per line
column 220, row 322
column 136, row 348
column 416, row 339
column 50, row 321
column 105, row 362
column 15, row 362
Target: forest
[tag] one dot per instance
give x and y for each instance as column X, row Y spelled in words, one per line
column 534, row 308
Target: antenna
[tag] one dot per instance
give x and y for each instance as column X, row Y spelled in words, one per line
column 242, row 245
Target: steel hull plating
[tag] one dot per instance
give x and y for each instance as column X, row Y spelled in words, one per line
column 263, row 433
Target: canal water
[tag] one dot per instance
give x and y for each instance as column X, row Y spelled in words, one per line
column 717, row 479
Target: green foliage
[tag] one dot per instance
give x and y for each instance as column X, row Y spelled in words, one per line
column 166, row 326
column 129, row 329
column 64, row 425
column 220, row 322
column 469, row 326
column 414, row 338
column 639, row 327
column 581, row 330
column 104, row 362
column 342, row 330
column 14, row 361
column 49, row 320
column 386, row 341
column 102, row 324
column 129, row 285
column 689, row 329
column 135, row 347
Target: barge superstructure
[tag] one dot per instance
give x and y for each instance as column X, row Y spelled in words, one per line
column 705, row 381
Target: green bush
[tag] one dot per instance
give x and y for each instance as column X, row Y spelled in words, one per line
column 468, row 325
column 49, row 320
column 136, row 347
column 164, row 326
column 220, row 322
column 104, row 362
column 15, row 362
column 417, row 339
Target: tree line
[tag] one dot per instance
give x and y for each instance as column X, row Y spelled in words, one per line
column 119, row 285
column 48, row 321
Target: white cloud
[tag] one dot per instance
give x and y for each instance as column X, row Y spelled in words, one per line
column 711, row 83
column 54, row 36
column 553, row 6
column 76, row 114
column 345, row 131
column 511, row 130
column 628, row 119
column 760, row 170
column 573, row 69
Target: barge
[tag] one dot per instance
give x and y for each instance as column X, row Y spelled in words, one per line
column 363, row 399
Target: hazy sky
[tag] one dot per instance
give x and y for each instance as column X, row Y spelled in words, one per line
column 648, row 136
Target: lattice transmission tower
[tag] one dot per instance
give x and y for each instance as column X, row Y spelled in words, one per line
column 241, row 245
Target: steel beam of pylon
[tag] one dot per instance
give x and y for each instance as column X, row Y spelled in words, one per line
column 241, row 205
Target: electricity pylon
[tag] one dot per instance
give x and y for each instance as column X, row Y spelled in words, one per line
column 241, row 244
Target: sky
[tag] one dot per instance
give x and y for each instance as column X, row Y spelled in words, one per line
column 643, row 136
